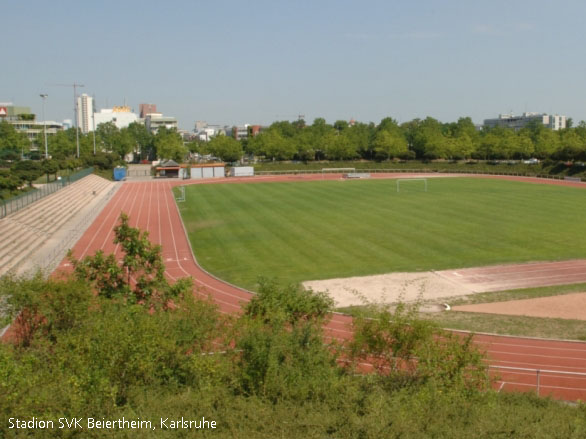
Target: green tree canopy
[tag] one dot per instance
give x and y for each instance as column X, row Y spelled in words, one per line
column 389, row 144
column 27, row 170
column 226, row 148
column 12, row 140
column 169, row 145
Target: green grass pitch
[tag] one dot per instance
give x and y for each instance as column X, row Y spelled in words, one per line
column 325, row 229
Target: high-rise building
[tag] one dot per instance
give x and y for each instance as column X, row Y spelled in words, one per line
column 145, row 109
column 85, row 113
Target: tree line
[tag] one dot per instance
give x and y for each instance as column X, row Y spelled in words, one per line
column 422, row 139
column 21, row 164
column 107, row 138
column 425, row 139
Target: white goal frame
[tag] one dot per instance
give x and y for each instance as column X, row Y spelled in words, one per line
column 181, row 198
column 399, row 180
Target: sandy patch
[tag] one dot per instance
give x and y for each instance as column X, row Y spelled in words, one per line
column 566, row 306
column 388, row 288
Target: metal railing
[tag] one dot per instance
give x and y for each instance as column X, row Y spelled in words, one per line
column 21, row 201
column 538, row 375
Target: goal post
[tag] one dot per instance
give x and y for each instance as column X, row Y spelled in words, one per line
column 413, row 180
column 181, row 197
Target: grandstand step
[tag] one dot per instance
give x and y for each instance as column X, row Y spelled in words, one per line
column 25, row 231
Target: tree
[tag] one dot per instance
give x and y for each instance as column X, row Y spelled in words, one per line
column 12, row 140
column 271, row 144
column 169, row 145
column 142, row 139
column 282, row 352
column 388, row 145
column 337, row 146
column 8, row 183
column 50, row 167
column 572, row 146
column 398, row 344
column 27, row 170
column 140, row 278
column 226, row 148
column 360, row 135
column 425, row 137
column 284, row 128
column 547, row 142
column 340, row 125
column 525, row 147
column 62, row 144
column 305, row 146
column 464, row 146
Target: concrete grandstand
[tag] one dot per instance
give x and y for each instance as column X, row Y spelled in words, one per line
column 38, row 236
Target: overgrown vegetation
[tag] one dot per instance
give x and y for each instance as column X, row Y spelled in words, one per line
column 94, row 346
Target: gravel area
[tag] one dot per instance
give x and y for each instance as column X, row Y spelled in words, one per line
column 389, row 288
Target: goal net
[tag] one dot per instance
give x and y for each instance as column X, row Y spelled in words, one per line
column 412, row 185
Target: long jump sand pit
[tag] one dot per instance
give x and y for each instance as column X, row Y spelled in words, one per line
column 565, row 306
column 435, row 285
column 389, row 288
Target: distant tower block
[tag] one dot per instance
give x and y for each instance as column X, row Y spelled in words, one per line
column 147, row 109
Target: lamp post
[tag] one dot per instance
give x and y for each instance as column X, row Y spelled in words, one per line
column 44, row 96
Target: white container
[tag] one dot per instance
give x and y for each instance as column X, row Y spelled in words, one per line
column 242, row 171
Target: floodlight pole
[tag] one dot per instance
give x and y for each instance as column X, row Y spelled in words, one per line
column 44, row 96
column 94, row 130
column 75, row 109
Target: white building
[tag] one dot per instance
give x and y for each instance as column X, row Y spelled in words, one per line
column 240, row 132
column 119, row 116
column 26, row 122
column 154, row 121
column 204, row 131
column 553, row 122
column 85, row 113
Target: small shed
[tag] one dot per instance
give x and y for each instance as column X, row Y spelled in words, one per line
column 207, row 170
column 242, row 171
column 169, row 169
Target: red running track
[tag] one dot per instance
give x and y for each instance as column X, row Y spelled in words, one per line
column 151, row 206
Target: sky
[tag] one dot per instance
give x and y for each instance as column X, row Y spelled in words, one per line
column 236, row 62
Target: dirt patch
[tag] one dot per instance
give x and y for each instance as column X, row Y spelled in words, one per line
column 566, row 306
column 388, row 288
column 515, row 276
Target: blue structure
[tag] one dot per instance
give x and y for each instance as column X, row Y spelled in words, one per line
column 119, row 173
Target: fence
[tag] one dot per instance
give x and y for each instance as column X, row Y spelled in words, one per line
column 21, row 201
column 416, row 171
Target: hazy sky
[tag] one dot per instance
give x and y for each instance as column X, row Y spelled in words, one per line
column 233, row 62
